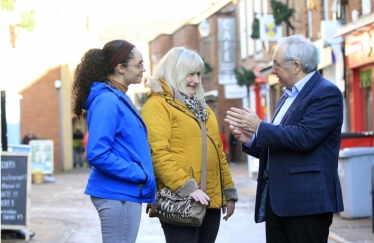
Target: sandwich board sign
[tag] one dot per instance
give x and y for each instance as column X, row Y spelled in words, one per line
column 15, row 191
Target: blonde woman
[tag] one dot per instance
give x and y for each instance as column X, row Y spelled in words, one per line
column 171, row 114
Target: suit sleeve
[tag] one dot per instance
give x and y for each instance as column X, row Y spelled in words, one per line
column 307, row 124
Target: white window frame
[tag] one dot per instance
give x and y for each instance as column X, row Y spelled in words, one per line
column 243, row 30
column 366, row 6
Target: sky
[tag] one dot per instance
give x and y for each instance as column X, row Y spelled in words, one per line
column 140, row 9
column 148, row 18
column 137, row 21
column 141, row 19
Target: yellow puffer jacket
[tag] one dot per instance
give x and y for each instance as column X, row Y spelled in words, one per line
column 175, row 138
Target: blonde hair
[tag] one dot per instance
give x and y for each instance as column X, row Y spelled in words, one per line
column 176, row 65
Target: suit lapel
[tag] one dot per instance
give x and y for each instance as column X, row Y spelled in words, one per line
column 304, row 92
column 279, row 105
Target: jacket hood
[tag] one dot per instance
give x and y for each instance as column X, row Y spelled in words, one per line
column 98, row 88
column 161, row 87
column 157, row 86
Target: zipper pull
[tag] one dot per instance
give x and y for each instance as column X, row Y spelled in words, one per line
column 140, row 190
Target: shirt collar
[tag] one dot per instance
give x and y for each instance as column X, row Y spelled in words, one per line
column 296, row 89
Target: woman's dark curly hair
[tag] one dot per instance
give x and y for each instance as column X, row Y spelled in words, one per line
column 93, row 67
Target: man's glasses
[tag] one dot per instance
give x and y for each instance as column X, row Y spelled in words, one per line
column 277, row 65
column 138, row 65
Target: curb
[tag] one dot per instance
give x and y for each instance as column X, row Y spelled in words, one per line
column 337, row 239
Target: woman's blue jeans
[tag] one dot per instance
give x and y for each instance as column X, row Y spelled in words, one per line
column 120, row 220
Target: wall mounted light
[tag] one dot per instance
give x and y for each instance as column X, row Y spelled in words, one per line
column 204, row 28
column 57, row 84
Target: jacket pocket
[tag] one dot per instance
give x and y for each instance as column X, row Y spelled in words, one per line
column 145, row 172
column 305, row 168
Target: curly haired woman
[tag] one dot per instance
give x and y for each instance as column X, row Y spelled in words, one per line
column 122, row 176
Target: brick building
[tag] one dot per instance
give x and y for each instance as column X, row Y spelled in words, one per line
column 39, row 65
column 341, row 30
column 220, row 42
column 358, row 34
column 344, row 46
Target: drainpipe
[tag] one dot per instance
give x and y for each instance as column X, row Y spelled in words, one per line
column 326, row 10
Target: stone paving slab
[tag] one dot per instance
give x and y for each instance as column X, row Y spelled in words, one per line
column 61, row 213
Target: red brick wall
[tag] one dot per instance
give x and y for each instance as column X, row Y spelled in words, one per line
column 40, row 111
column 158, row 48
column 356, row 4
column 187, row 36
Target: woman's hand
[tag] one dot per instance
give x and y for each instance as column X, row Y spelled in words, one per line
column 200, row 196
column 230, row 208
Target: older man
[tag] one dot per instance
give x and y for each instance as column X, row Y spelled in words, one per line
column 298, row 186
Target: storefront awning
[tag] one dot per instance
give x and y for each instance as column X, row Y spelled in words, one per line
column 265, row 74
column 360, row 25
column 266, row 70
column 271, row 78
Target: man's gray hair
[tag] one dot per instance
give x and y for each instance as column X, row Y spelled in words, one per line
column 298, row 48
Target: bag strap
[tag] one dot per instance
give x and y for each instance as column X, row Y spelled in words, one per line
column 204, row 158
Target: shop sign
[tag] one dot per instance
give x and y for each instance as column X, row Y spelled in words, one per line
column 268, row 30
column 353, row 48
column 234, row 91
column 366, row 48
column 227, row 50
column 362, row 43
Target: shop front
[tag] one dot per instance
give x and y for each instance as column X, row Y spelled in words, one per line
column 359, row 55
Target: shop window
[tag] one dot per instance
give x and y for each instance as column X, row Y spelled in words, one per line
column 339, row 10
column 365, row 83
column 369, row 102
column 365, row 79
column 366, row 7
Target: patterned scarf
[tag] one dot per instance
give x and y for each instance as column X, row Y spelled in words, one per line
column 195, row 107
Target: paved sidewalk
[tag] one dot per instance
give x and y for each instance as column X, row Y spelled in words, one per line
column 61, row 213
